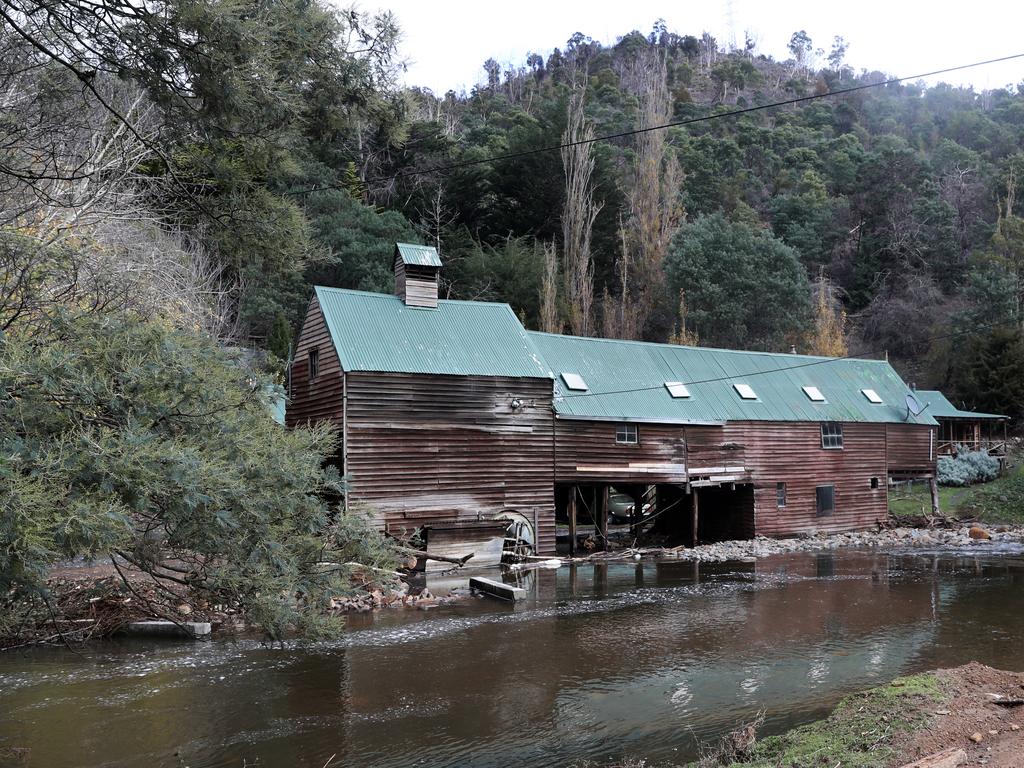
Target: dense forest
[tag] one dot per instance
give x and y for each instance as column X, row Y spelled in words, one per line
column 175, row 177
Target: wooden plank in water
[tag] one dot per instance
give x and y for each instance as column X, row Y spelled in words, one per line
column 496, row 588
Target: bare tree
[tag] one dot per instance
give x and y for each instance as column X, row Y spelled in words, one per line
column 77, row 224
column 578, row 213
column 550, row 322
column 435, row 218
column 655, row 211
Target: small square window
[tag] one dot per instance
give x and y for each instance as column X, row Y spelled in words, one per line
column 814, row 394
column 745, row 391
column 874, row 483
column 831, row 435
column 314, row 363
column 872, row 396
column 780, row 494
column 677, row 389
column 626, row 434
column 574, row 381
column 825, row 496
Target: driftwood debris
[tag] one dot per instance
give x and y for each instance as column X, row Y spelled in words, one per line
column 460, row 561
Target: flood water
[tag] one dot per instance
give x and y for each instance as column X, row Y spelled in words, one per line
column 602, row 661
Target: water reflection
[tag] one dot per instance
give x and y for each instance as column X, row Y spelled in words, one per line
column 603, row 659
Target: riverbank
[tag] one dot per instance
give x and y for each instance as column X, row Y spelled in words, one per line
column 961, row 537
column 92, row 601
column 970, row 715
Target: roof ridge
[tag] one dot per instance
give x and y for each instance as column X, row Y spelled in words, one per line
column 666, row 345
column 382, row 295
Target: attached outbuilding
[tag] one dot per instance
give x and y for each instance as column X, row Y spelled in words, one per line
column 963, row 429
column 740, row 443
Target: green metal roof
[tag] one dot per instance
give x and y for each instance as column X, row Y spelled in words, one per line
column 940, row 407
column 626, row 382
column 379, row 332
column 418, row 255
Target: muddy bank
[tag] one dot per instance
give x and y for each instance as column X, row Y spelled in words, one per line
column 97, row 601
column 970, row 715
column 964, row 537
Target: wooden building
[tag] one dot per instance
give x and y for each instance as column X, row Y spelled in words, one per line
column 742, row 443
column 451, row 413
column 959, row 428
column 444, row 406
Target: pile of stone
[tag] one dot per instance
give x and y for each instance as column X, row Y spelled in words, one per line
column 400, row 597
column 967, row 537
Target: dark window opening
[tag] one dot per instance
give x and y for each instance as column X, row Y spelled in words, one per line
column 825, row 496
column 874, row 483
column 831, row 435
column 626, row 434
column 314, row 363
column 780, row 494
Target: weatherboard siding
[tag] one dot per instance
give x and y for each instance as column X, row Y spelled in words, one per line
column 768, row 452
column 791, row 453
column 586, row 452
column 426, row 448
column 320, row 399
column 911, row 449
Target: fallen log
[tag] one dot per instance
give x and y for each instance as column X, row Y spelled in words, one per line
column 438, row 558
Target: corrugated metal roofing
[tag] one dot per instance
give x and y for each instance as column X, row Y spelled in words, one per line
column 615, row 370
column 418, row 255
column 940, row 407
column 378, row 332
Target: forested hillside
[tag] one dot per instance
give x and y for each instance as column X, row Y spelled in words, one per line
column 215, row 161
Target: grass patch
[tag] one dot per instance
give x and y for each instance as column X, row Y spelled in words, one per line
column 1000, row 501
column 863, row 731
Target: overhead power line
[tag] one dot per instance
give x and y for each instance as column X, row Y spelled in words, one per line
column 808, row 364
column 674, row 124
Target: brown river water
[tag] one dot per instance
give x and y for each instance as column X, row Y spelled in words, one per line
column 641, row 659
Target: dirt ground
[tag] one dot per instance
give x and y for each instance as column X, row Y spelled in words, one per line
column 971, row 710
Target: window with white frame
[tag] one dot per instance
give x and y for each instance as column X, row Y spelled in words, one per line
column 831, row 435
column 626, row 434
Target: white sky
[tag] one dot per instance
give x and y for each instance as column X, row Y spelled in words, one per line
column 445, row 42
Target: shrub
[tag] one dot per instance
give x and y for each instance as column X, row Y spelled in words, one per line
column 122, row 437
column 967, row 468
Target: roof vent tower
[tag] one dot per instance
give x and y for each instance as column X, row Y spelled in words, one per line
column 417, row 273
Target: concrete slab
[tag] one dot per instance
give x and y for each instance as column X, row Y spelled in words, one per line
column 496, row 588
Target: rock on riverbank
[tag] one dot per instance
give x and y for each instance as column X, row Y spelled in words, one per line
column 969, row 538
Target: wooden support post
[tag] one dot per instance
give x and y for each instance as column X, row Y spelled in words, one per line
column 696, row 515
column 602, row 516
column 934, row 483
column 638, row 512
column 572, row 520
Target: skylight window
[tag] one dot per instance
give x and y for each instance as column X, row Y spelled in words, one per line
column 872, row 396
column 575, row 382
column 677, row 389
column 814, row 394
column 745, row 391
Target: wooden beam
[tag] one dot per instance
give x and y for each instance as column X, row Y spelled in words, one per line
column 638, row 512
column 602, row 516
column 696, row 515
column 934, row 485
column 572, row 520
